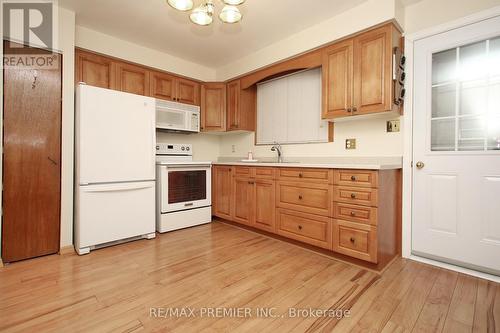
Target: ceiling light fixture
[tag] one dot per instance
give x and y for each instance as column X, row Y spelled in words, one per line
column 203, row 14
column 182, row 5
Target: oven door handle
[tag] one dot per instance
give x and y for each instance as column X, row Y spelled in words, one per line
column 189, row 204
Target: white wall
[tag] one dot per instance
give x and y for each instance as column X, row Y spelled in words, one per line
column 428, row 13
column 370, row 134
column 361, row 17
column 206, row 147
column 109, row 45
column 67, row 46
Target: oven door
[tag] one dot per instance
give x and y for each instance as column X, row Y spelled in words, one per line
column 185, row 187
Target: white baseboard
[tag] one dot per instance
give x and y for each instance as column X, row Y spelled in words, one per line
column 459, row 269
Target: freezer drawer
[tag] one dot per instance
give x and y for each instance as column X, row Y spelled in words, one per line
column 111, row 212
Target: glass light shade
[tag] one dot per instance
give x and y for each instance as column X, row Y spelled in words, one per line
column 201, row 15
column 182, row 5
column 234, row 2
column 230, row 14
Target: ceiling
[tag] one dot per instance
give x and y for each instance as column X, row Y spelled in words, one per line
column 154, row 24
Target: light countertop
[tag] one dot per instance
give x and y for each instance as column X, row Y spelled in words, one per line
column 344, row 162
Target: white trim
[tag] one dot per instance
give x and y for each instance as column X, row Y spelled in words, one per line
column 408, row 135
column 458, row 269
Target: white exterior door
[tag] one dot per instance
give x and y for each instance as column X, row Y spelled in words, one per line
column 456, row 147
column 115, row 136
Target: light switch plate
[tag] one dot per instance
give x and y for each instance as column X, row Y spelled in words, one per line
column 393, row 126
column 350, row 144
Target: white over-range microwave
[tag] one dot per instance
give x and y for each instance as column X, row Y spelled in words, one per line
column 177, row 117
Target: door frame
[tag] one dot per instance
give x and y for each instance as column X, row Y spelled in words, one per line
column 407, row 201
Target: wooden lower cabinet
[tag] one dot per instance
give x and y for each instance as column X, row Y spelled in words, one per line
column 222, row 190
column 243, row 193
column 354, row 213
column 355, row 240
column 265, row 197
column 304, row 227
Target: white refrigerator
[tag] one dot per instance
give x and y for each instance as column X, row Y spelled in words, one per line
column 115, row 167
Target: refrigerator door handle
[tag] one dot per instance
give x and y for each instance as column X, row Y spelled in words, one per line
column 117, row 187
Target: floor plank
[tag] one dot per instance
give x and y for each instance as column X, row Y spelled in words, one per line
column 220, row 266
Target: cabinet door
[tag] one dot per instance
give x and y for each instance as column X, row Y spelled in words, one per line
column 213, row 107
column 338, row 80
column 187, row 91
column 222, row 191
column 243, row 189
column 162, row 86
column 233, row 105
column 132, row 79
column 95, row 70
column 265, row 204
column 372, row 71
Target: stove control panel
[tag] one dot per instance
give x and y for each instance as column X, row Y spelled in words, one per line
column 174, row 149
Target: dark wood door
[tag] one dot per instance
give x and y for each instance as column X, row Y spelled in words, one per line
column 213, row 107
column 31, row 161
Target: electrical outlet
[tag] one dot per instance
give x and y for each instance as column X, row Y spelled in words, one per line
column 233, row 148
column 393, row 126
column 350, row 143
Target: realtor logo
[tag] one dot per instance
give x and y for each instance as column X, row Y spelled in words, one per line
column 29, row 22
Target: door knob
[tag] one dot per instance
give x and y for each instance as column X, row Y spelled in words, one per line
column 420, row 165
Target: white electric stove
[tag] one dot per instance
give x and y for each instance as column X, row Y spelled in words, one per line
column 183, row 188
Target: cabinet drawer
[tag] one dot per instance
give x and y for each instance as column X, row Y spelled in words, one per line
column 306, row 175
column 307, row 228
column 243, row 171
column 309, row 198
column 364, row 178
column 356, row 213
column 356, row 195
column 355, row 240
column 264, row 173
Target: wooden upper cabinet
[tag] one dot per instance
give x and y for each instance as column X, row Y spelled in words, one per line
column 132, row 79
column 338, row 79
column 213, row 107
column 240, row 106
column 373, row 70
column 162, row 85
column 357, row 74
column 233, row 105
column 95, row 70
column 187, row 91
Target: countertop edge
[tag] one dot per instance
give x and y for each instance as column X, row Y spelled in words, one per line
column 368, row 166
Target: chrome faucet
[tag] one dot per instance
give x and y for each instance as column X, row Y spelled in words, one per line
column 277, row 148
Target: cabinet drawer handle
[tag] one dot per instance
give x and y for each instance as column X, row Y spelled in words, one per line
column 300, row 196
column 353, row 214
column 300, row 227
column 353, row 196
column 352, row 240
column 353, row 178
column 300, row 175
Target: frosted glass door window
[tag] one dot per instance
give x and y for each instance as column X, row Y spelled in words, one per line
column 466, row 98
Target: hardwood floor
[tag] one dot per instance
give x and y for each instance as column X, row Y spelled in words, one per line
column 216, row 265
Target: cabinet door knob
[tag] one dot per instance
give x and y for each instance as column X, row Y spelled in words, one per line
column 300, row 196
column 353, row 214
column 300, row 227
column 352, row 240
column 349, row 110
column 354, row 109
column 300, row 175
column 353, row 195
column 353, row 178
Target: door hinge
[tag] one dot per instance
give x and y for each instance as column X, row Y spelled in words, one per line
column 411, row 164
